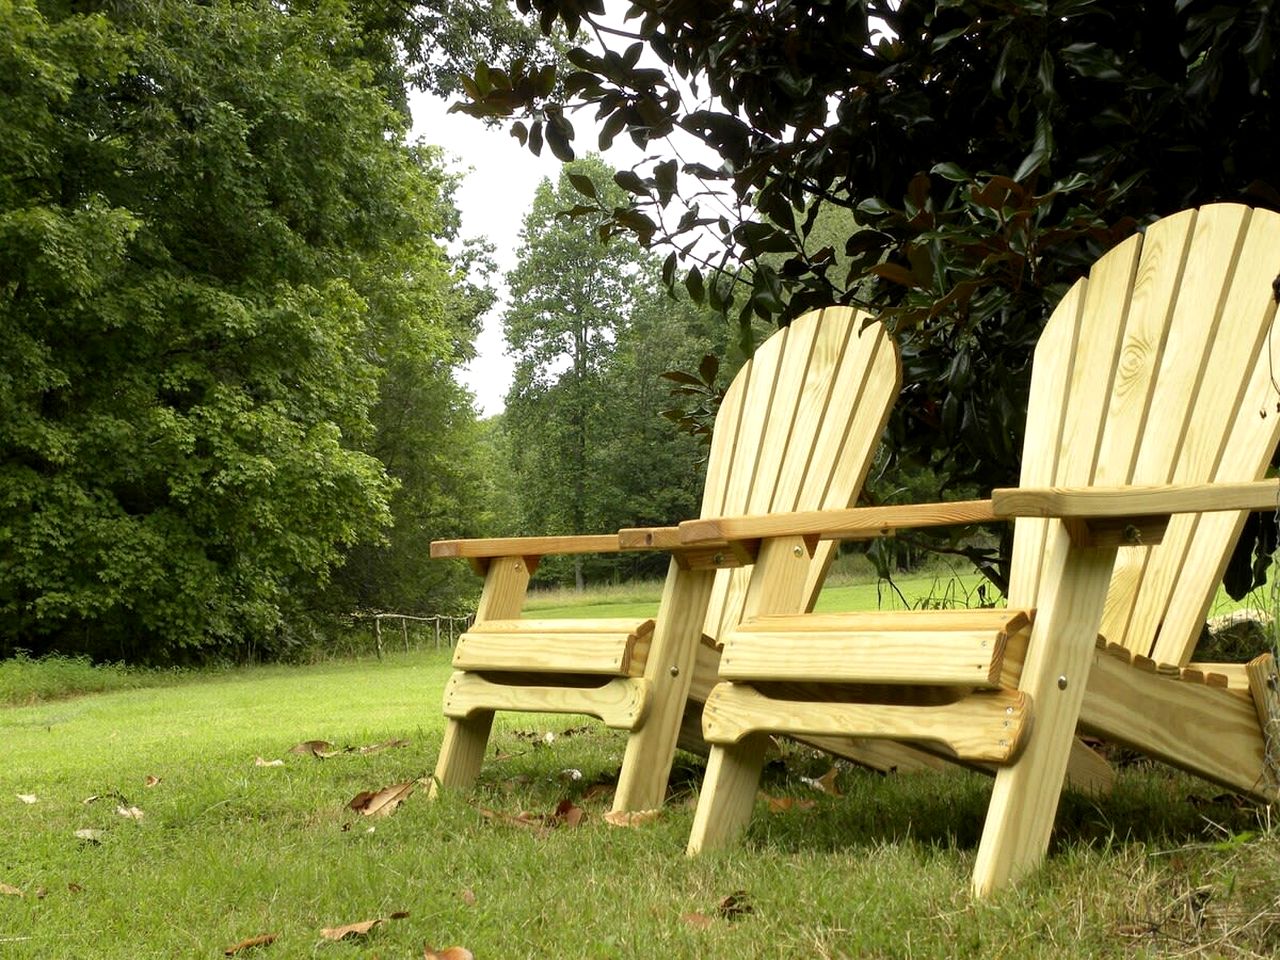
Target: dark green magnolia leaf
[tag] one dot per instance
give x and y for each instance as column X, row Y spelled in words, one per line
column 559, row 133
column 950, row 171
column 630, row 181
column 693, row 283
column 583, row 184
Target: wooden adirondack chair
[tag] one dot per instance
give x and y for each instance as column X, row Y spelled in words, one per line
column 797, row 429
column 1153, row 413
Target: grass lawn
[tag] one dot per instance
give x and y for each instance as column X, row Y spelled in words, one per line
column 226, row 849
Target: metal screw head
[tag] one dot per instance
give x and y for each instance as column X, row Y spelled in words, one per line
column 1062, row 682
column 718, row 559
column 675, row 671
column 798, row 550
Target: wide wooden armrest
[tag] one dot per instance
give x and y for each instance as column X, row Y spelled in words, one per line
column 1136, row 501
column 525, row 546
column 853, row 523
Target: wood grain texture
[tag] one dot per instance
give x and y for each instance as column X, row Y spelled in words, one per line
column 671, row 670
column 525, row 546
column 1134, row 501
column 613, row 647
column 1264, row 691
column 981, row 726
column 1210, row 731
column 620, row 703
column 1025, row 797
column 846, row 524
column 959, row 648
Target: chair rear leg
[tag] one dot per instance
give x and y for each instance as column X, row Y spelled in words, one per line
column 462, row 752
column 728, row 793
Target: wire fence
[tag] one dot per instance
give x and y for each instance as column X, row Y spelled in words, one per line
column 442, row 630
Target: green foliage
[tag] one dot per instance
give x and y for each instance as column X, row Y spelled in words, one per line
column 988, row 152
column 592, row 335
column 211, row 240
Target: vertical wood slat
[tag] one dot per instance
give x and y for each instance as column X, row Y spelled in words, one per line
column 1050, row 374
column 812, row 432
column 1249, row 312
column 1206, row 367
column 1165, row 249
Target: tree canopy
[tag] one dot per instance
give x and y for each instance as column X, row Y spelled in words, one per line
column 212, row 238
column 985, row 151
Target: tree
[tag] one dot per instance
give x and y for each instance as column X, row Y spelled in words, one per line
column 211, row 236
column 592, row 333
column 989, row 151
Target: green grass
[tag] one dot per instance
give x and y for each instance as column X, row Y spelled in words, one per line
column 227, row 849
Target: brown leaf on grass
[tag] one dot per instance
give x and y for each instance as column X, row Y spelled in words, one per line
column 360, row 929
column 41, row 892
column 8, row 891
column 260, row 941
column 385, row 745
column 784, row 804
column 75, row 888
column 130, row 813
column 313, row 748
column 28, row 798
column 399, row 915
column 382, row 803
column 448, row 953
column 699, row 921
column 630, row 818
column 89, row 835
column 734, row 905
column 569, row 813
column 259, row 762
column 524, row 819
column 468, row 896
column 93, row 799
column 152, row 781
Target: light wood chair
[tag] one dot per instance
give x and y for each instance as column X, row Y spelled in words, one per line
column 1153, row 414
column 797, row 430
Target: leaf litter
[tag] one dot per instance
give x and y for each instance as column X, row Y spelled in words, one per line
column 381, row 803
column 259, row 941
column 361, row 929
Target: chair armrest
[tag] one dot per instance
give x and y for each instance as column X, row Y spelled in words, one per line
column 524, row 546
column 1137, row 501
column 854, row 523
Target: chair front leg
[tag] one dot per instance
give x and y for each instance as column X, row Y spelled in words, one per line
column 646, row 766
column 728, row 793
column 1024, row 800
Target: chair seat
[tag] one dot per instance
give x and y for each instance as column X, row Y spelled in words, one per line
column 964, row 648
column 612, row 647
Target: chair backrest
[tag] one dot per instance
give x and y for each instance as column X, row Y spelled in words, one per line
column 1159, row 368
column 797, row 430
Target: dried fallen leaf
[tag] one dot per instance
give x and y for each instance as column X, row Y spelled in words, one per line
column 569, row 813
column 261, row 941
column 152, row 781
column 699, row 921
column 571, row 773
column 448, row 953
column 523, row 819
column 9, row 891
column 734, row 905
column 598, row 791
column 630, row 818
column 28, row 798
column 385, row 745
column 93, row 799
column 90, row 836
column 825, row 783
column 784, row 804
column 468, row 896
column 313, row 748
column 259, row 762
column 75, row 888
column 360, row 929
column 41, row 892
column 130, row 813
column 382, row 803
column 400, row 915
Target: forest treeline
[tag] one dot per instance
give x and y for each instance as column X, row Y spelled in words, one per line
column 233, row 304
